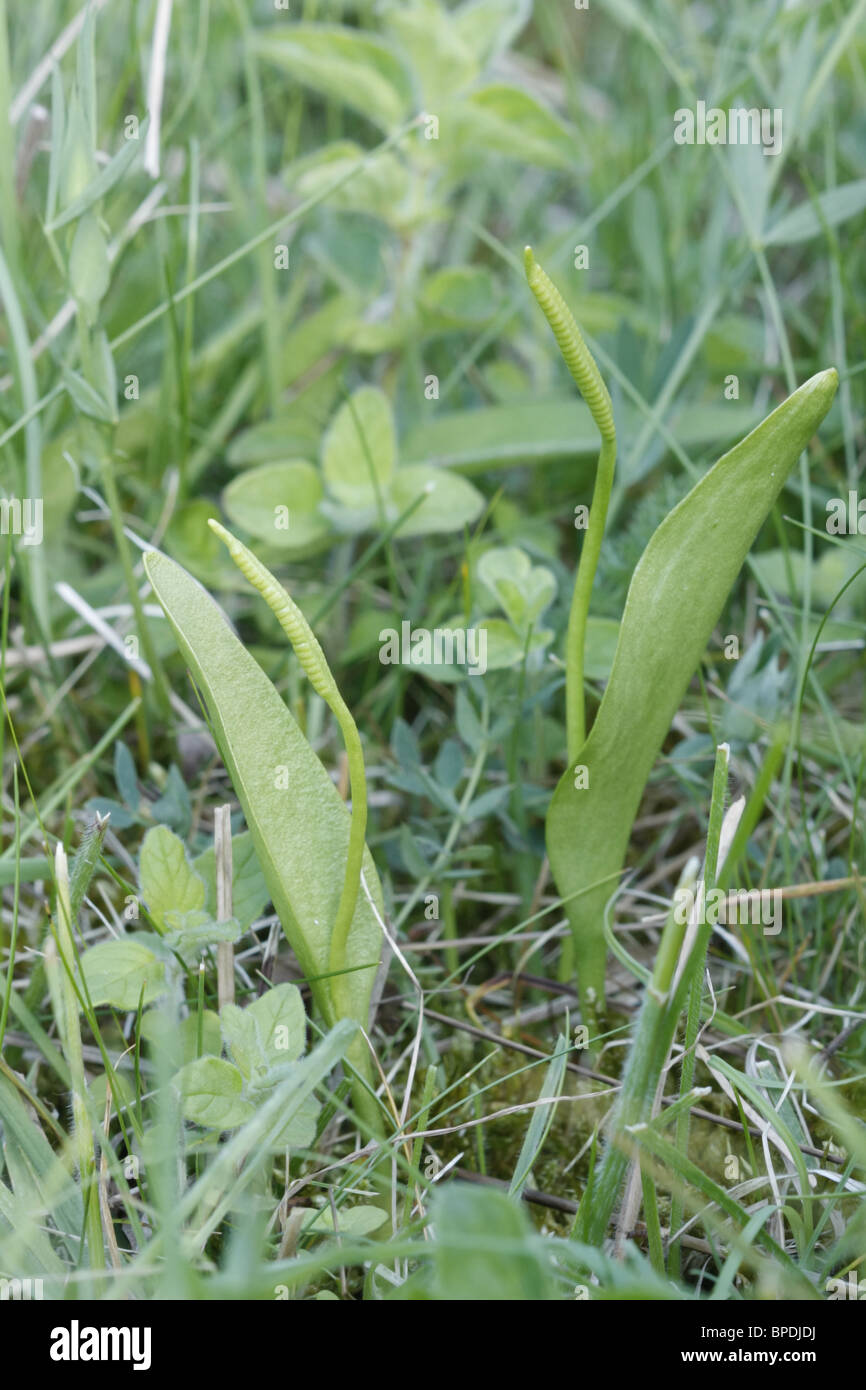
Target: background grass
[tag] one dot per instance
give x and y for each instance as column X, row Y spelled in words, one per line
column 704, row 263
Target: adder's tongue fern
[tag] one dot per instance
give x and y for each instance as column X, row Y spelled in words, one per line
column 312, row 659
column 581, row 364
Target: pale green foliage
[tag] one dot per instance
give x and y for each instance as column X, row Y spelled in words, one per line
column 675, row 599
column 263, row 1039
column 299, row 825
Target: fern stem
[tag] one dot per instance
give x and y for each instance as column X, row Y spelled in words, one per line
column 584, row 371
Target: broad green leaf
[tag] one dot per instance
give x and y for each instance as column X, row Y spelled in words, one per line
column 249, row 890
column 212, row 1093
column 116, row 972
column 450, row 502
column 267, row 1032
column 361, row 1220
column 460, row 295
column 278, row 503
column 508, row 121
column 602, row 635
column 298, row 822
column 359, row 450
column 834, row 205
column 168, row 883
column 522, row 590
column 535, row 432
column 675, row 598
column 343, row 65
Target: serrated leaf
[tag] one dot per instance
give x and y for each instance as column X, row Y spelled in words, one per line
column 359, row 450
column 117, row 972
column 168, row 883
